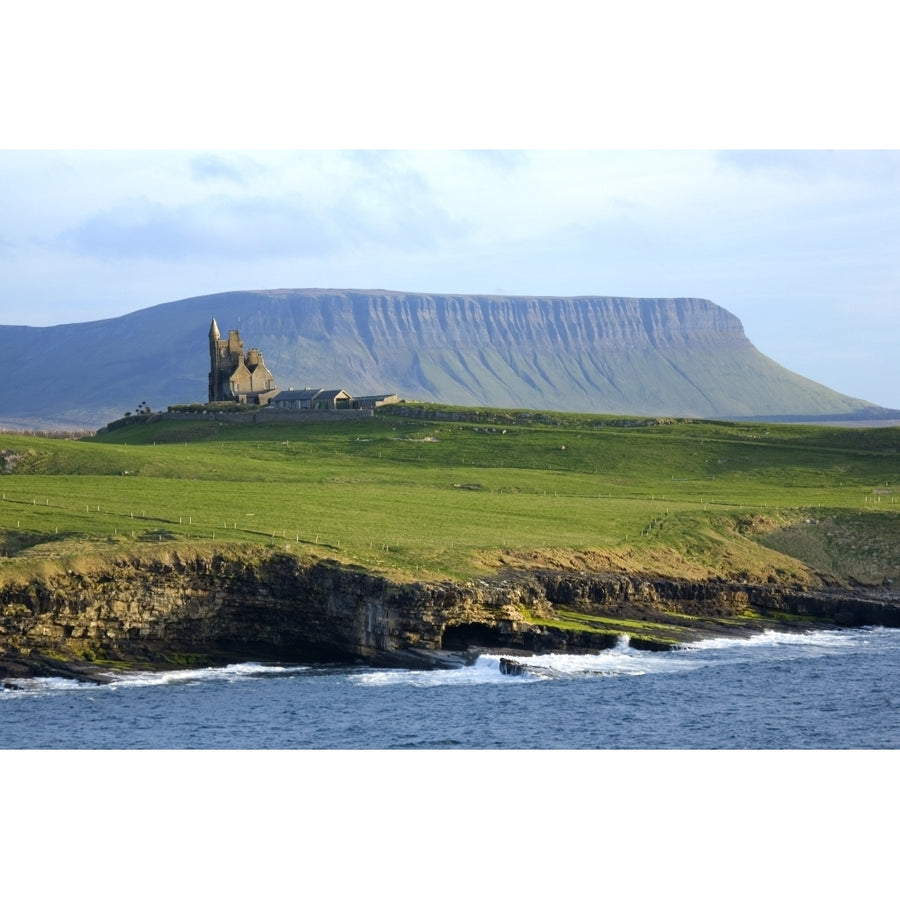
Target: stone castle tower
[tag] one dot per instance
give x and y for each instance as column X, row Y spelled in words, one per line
column 234, row 375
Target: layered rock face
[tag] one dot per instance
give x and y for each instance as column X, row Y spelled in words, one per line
column 673, row 357
column 270, row 608
column 275, row 608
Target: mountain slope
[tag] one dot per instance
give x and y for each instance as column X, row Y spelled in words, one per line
column 680, row 357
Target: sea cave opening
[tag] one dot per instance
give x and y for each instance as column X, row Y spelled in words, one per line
column 471, row 634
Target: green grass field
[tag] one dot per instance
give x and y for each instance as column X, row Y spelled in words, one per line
column 425, row 500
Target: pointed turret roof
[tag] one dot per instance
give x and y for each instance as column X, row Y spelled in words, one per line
column 214, row 329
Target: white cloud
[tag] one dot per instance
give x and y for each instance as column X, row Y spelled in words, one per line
column 215, row 166
column 876, row 166
column 219, row 228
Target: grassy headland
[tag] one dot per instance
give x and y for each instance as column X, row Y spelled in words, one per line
column 425, row 499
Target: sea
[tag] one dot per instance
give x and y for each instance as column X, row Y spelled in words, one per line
column 759, row 766
column 825, row 689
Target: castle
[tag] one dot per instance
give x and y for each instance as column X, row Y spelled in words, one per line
column 234, row 375
column 244, row 378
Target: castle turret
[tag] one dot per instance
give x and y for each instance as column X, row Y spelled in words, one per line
column 213, row 361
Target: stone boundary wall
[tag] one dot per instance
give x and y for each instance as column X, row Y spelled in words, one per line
column 271, row 415
column 523, row 417
column 311, row 415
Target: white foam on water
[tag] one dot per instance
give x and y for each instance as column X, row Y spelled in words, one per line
column 485, row 670
column 837, row 640
column 230, row 673
column 33, row 685
column 777, row 646
column 626, row 661
column 618, row 661
column 234, row 672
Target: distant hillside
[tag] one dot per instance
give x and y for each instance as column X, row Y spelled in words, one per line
column 679, row 357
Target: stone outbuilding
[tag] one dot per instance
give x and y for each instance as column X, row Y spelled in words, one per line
column 312, row 398
column 373, row 401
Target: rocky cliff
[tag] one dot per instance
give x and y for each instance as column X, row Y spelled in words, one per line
column 181, row 611
column 676, row 357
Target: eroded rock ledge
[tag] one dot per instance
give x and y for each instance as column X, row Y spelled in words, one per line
column 197, row 611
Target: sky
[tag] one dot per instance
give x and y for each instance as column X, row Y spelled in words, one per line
column 129, row 179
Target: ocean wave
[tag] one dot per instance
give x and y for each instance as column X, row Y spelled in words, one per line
column 485, row 670
column 116, row 680
column 623, row 660
column 827, row 639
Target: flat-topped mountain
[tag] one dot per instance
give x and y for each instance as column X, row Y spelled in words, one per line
column 676, row 357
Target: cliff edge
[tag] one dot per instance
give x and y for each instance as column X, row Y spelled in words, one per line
column 177, row 611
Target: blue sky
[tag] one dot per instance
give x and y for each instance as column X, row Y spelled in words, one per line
column 128, row 179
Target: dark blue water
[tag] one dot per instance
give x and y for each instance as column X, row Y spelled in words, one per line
column 827, row 689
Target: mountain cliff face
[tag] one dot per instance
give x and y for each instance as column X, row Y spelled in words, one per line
column 678, row 357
